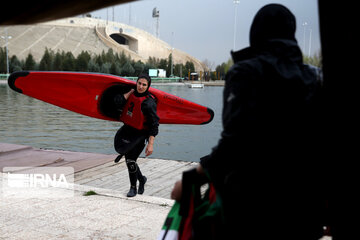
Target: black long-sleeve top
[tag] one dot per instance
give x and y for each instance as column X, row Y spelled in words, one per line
column 148, row 108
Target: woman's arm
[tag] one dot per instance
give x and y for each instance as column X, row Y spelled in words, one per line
column 150, row 146
column 148, row 107
column 120, row 99
column 152, row 121
column 127, row 95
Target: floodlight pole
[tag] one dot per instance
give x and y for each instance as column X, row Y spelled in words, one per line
column 304, row 37
column 236, row 2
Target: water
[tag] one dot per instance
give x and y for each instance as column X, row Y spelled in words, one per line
column 27, row 121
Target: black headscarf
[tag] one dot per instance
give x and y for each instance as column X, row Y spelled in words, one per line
column 273, row 21
column 148, row 78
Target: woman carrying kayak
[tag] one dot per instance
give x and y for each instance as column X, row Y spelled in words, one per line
column 140, row 126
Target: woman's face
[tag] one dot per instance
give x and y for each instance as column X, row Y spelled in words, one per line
column 141, row 85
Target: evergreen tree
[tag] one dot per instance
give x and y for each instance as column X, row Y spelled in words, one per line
column 178, row 70
column 3, row 60
column 163, row 64
column 127, row 69
column 123, row 59
column 82, row 60
column 58, row 62
column 168, row 68
column 109, row 56
column 98, row 60
column 93, row 66
column 29, row 62
column 46, row 61
column 14, row 64
column 153, row 62
column 105, row 68
column 115, row 69
column 103, row 57
column 139, row 68
column 189, row 67
column 68, row 62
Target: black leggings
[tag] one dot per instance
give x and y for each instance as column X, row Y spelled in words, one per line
column 131, row 143
column 133, row 168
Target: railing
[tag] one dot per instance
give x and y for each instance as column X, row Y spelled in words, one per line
column 158, row 80
column 4, row 76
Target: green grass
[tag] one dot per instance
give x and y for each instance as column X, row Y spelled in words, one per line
column 89, row 193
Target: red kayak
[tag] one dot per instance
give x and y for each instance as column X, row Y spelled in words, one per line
column 92, row 94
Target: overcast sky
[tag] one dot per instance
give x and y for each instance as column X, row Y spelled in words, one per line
column 205, row 28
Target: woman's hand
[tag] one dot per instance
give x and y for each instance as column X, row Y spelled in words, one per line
column 150, row 147
column 177, row 191
column 127, row 95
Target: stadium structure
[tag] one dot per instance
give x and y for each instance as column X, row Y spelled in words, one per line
column 89, row 34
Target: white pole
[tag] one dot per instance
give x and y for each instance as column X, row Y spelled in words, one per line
column 310, row 42
column 236, row 2
column 172, row 55
column 304, row 37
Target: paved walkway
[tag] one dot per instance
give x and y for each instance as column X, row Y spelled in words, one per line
column 98, row 170
column 107, row 215
column 161, row 175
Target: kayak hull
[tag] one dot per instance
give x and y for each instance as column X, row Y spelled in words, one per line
column 91, row 94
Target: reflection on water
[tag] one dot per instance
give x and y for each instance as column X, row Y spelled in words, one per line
column 28, row 121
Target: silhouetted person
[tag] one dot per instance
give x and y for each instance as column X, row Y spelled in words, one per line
column 265, row 165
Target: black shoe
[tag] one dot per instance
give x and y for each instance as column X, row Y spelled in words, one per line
column 141, row 185
column 132, row 192
column 117, row 159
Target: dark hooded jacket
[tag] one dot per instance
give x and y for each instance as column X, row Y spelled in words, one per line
column 264, row 156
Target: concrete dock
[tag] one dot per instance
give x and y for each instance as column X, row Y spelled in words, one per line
column 107, row 215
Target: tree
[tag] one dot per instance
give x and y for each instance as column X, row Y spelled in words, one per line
column 153, row 63
column 223, row 68
column 163, row 64
column 68, row 62
column 82, row 60
column 46, row 61
column 115, row 68
column 109, row 56
column 315, row 60
column 3, row 60
column 29, row 62
column 139, row 68
column 14, row 64
column 123, row 59
column 209, row 65
column 169, row 66
column 105, row 68
column 93, row 66
column 189, row 67
column 178, row 70
column 58, row 62
column 127, row 69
